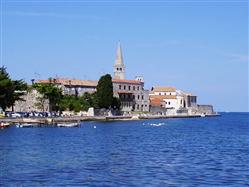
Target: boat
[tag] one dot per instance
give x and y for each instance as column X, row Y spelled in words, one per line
column 26, row 125
column 203, row 115
column 68, row 125
column 4, row 125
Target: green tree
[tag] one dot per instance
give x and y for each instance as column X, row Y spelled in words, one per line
column 116, row 103
column 52, row 93
column 105, row 91
column 10, row 90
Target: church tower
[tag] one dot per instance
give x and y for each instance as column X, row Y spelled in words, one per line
column 119, row 67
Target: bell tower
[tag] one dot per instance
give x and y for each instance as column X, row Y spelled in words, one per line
column 119, row 67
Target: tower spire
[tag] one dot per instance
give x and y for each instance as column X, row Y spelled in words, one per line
column 119, row 67
column 119, row 56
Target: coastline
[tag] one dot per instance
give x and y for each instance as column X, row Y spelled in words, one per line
column 97, row 118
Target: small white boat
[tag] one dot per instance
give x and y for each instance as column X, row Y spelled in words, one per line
column 26, row 125
column 203, row 115
column 4, row 125
column 68, row 125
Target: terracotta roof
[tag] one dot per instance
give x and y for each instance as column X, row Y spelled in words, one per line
column 72, row 82
column 126, row 81
column 163, row 89
column 155, row 101
column 163, row 96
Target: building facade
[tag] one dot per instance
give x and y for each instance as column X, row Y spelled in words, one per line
column 72, row 86
column 132, row 95
column 173, row 100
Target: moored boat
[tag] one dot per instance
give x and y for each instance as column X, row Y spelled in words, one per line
column 4, row 125
column 26, row 125
column 68, row 125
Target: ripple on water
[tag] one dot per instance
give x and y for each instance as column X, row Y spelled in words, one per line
column 171, row 152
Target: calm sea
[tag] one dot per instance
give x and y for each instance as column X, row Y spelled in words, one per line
column 168, row 152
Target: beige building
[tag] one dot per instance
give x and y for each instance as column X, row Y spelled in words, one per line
column 72, row 86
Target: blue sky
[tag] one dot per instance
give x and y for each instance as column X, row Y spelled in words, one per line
column 199, row 47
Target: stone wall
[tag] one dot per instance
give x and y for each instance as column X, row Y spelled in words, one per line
column 205, row 109
column 158, row 110
column 30, row 103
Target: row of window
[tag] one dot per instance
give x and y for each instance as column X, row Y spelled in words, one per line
column 127, row 96
column 142, row 106
column 78, row 88
column 129, row 87
column 164, row 93
column 128, row 104
column 167, row 103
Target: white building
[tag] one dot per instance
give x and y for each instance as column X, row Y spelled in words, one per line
column 173, row 100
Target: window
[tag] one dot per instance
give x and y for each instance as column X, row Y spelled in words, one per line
column 159, row 93
column 138, row 96
column 133, row 87
column 145, row 105
column 120, row 87
column 164, row 93
column 133, row 96
column 120, row 69
column 166, row 102
column 142, row 106
column 117, row 69
column 138, row 88
column 169, row 103
column 138, row 107
column 142, row 97
column 170, row 93
column 129, row 87
column 124, row 87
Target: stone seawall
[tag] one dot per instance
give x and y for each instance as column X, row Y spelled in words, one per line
column 205, row 109
column 99, row 118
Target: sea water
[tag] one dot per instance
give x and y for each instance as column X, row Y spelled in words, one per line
column 210, row 151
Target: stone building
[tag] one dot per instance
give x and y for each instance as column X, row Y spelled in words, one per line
column 131, row 93
column 72, row 86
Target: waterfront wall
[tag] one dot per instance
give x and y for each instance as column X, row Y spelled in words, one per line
column 158, row 110
column 205, row 109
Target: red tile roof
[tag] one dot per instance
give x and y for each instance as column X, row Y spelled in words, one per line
column 156, row 101
column 126, row 81
column 72, row 82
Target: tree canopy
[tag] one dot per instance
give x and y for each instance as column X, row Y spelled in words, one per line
column 10, row 90
column 78, row 103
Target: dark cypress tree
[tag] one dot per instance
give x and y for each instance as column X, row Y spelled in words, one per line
column 105, row 91
column 10, row 90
